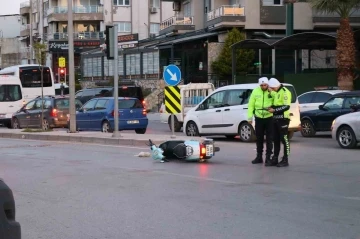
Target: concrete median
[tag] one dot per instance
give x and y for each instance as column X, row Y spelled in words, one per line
column 127, row 139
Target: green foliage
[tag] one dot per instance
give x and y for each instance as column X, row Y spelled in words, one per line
column 222, row 66
column 40, row 53
column 342, row 7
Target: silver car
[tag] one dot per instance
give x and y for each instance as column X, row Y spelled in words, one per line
column 345, row 130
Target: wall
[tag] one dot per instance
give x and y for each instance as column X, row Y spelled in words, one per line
column 10, row 52
column 10, row 26
column 302, row 16
column 167, row 10
column 214, row 49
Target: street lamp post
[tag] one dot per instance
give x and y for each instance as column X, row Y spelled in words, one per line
column 71, row 68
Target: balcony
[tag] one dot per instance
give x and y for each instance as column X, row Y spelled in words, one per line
column 226, row 16
column 333, row 20
column 177, row 25
column 81, row 13
column 25, row 30
column 25, row 8
column 77, row 36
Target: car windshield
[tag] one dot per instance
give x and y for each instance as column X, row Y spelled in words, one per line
column 130, row 104
column 10, row 93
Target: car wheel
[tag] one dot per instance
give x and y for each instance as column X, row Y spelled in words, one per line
column 15, row 123
column 140, row 131
column 105, row 127
column 45, row 125
column 307, row 128
column 192, row 129
column 346, row 138
column 177, row 124
column 246, row 132
column 290, row 134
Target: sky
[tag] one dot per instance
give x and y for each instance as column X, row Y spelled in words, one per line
column 11, row 7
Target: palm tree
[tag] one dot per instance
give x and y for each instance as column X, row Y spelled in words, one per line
column 345, row 43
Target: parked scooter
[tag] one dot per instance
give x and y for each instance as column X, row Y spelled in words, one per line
column 187, row 150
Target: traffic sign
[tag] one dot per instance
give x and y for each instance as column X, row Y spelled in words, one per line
column 62, row 62
column 172, row 75
column 172, row 99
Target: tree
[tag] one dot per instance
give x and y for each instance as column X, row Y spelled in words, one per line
column 244, row 57
column 345, row 42
column 40, row 56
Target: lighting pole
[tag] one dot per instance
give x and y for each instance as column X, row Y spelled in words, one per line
column 71, row 68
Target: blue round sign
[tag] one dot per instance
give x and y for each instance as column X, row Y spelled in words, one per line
column 172, row 75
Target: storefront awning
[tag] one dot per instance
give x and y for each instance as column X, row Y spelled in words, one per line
column 186, row 39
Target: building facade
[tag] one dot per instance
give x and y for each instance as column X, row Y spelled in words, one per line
column 11, row 47
column 258, row 19
column 46, row 21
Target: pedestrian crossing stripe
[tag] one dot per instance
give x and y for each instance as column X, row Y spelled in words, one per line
column 172, row 99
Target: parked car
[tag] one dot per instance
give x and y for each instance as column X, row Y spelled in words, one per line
column 346, row 130
column 98, row 114
column 320, row 120
column 85, row 95
column 55, row 111
column 9, row 227
column 224, row 112
column 312, row 99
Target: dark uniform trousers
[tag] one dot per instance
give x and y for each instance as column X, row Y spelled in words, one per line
column 264, row 127
column 281, row 127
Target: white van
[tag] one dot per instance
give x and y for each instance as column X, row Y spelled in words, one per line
column 11, row 98
column 227, row 114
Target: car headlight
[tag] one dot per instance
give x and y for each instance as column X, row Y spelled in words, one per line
column 334, row 121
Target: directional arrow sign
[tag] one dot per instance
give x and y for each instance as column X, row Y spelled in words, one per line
column 172, row 75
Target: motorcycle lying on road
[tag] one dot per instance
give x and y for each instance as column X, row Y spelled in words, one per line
column 187, row 150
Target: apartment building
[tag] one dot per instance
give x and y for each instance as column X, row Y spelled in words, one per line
column 257, row 18
column 46, row 21
column 10, row 42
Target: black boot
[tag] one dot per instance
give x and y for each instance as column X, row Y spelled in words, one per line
column 258, row 159
column 267, row 160
column 284, row 162
column 273, row 162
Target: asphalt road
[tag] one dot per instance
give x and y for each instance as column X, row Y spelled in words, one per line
column 79, row 191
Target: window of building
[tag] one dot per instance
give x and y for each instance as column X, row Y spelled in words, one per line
column 272, row 2
column 187, row 10
column 109, row 66
column 151, row 63
column 155, row 3
column 122, row 2
column 154, row 28
column 124, row 27
column 133, row 64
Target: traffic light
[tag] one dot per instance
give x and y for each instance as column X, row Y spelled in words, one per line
column 109, row 42
column 62, row 75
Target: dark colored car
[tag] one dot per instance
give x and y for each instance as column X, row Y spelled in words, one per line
column 85, row 95
column 9, row 227
column 55, row 113
column 321, row 120
column 98, row 114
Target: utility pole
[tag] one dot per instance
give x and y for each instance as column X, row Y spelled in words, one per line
column 289, row 17
column 71, row 68
column 31, row 34
column 116, row 133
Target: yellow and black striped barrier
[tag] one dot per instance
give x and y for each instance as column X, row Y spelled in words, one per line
column 172, row 99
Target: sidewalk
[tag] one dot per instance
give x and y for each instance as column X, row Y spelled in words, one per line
column 90, row 137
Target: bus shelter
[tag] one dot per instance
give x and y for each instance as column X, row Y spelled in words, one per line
column 301, row 41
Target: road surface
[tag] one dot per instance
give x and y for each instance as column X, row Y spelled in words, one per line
column 79, row 191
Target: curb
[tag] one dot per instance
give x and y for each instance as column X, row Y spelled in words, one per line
column 79, row 139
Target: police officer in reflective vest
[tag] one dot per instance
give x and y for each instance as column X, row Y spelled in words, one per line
column 259, row 102
column 281, row 111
